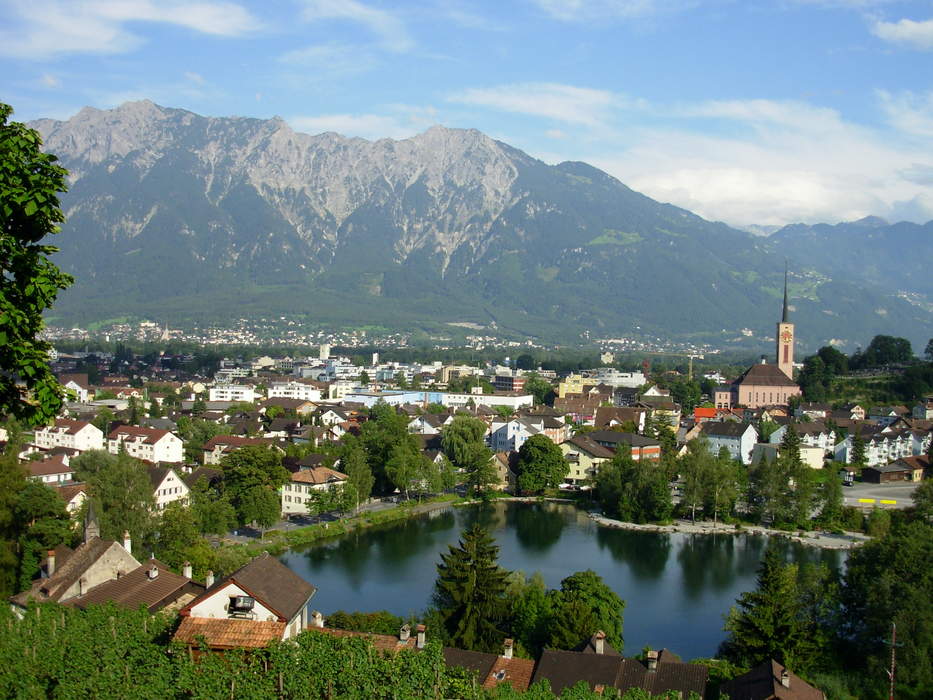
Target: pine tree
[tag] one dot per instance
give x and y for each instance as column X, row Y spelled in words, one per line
column 469, row 592
column 859, row 457
column 768, row 623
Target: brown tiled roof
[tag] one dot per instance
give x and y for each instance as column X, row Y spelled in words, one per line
column 564, row 669
column 229, row 633
column 151, row 435
column 516, row 672
column 668, row 676
column 67, row 572
column 233, row 441
column 616, row 438
column 274, row 584
column 47, row 467
column 318, row 475
column 71, row 426
column 764, row 682
column 211, row 475
column 765, row 375
column 69, row 491
column 137, row 588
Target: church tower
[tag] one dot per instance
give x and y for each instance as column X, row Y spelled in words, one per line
column 785, row 338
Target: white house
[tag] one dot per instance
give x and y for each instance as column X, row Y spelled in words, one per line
column 238, row 393
column 296, row 493
column 148, row 444
column 303, row 390
column 738, row 438
column 220, row 446
column 52, row 471
column 880, row 448
column 511, row 400
column 78, row 384
column 167, row 486
column 262, row 602
column 510, row 435
column 74, row 434
column 812, row 434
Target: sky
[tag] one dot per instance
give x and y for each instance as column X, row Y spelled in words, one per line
column 753, row 112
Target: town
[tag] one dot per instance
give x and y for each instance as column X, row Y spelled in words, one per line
column 165, row 456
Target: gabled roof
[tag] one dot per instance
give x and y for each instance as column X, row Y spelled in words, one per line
column 590, row 446
column 616, row 438
column 157, row 474
column 150, row 435
column 318, row 475
column 729, row 429
column 765, row 375
column 271, row 582
column 68, row 426
column 211, row 475
column 490, row 669
column 137, row 588
column 764, row 683
column 233, row 441
column 48, row 467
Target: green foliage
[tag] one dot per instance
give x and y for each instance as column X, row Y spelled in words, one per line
column 769, row 622
column 380, row 435
column 584, row 605
column 540, row 464
column 178, row 533
column 195, row 432
column 923, row 499
column 380, row 622
column 878, row 523
column 889, row 580
column 252, row 478
column 30, row 183
column 122, row 494
column 831, row 497
column 103, row 419
column 213, row 512
column 463, row 443
column 883, row 350
column 540, row 388
column 360, row 478
column 469, row 592
column 633, row 491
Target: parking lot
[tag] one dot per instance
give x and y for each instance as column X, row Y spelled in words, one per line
column 901, row 493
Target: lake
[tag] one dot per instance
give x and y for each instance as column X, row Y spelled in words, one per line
column 677, row 587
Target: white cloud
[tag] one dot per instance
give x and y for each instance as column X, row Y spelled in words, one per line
column 390, row 28
column 367, row 126
column 563, row 103
column 909, row 112
column 195, row 78
column 50, row 81
column 48, row 28
column 906, row 31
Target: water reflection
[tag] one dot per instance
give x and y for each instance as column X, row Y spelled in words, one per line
column 645, row 553
column 538, row 527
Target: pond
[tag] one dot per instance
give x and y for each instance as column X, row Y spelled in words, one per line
column 677, row 586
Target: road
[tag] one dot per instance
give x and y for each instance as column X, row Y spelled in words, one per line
column 900, row 492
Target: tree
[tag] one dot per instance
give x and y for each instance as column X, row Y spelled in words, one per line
column 122, row 494
column 928, row 351
column 468, row 592
column 363, row 378
column 199, row 407
column 103, row 419
column 633, row 491
column 379, row 435
column 768, row 622
column 178, row 533
column 726, row 480
column 859, row 458
column 43, row 523
column 253, row 476
column 923, row 499
column 540, row 464
column 30, row 183
column 583, row 606
column 831, row 497
column 888, row 580
column 879, row 522
column 360, row 479
column 213, row 512
column 540, row 388
column 463, row 443
column 695, row 468
column 525, row 361
column 195, row 432
column 886, row 350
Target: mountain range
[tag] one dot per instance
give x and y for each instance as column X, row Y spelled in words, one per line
column 178, row 217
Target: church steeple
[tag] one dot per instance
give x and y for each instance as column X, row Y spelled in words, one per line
column 784, row 318
column 784, row 356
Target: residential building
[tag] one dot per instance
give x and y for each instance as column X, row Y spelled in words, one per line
column 585, row 456
column 296, row 494
column 220, row 446
column 53, row 471
column 78, row 384
column 261, row 602
column 812, row 434
column 738, row 438
column 148, row 444
column 813, row 457
column 924, row 408
column 236, row 393
column 74, row 494
column 167, row 486
column 74, row 434
column 510, row 435
column 303, row 389
column 642, row 447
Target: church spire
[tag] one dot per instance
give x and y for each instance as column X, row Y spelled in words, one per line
column 784, row 318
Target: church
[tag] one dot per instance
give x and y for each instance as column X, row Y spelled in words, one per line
column 765, row 384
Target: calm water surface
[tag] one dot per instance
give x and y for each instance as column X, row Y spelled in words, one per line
column 677, row 587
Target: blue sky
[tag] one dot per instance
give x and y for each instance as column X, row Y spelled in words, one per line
column 746, row 111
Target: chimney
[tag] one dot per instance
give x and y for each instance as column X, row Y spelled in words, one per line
column 50, row 566
column 127, row 542
column 153, row 572
column 507, row 652
column 764, row 360
column 317, row 619
column 404, row 633
column 420, row 629
column 209, row 579
column 652, row 658
column 785, row 678
column 186, row 570
column 599, row 642
column 82, row 585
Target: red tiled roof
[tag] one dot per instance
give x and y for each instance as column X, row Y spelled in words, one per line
column 150, row 435
column 47, row 467
column 228, row 633
column 318, row 475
